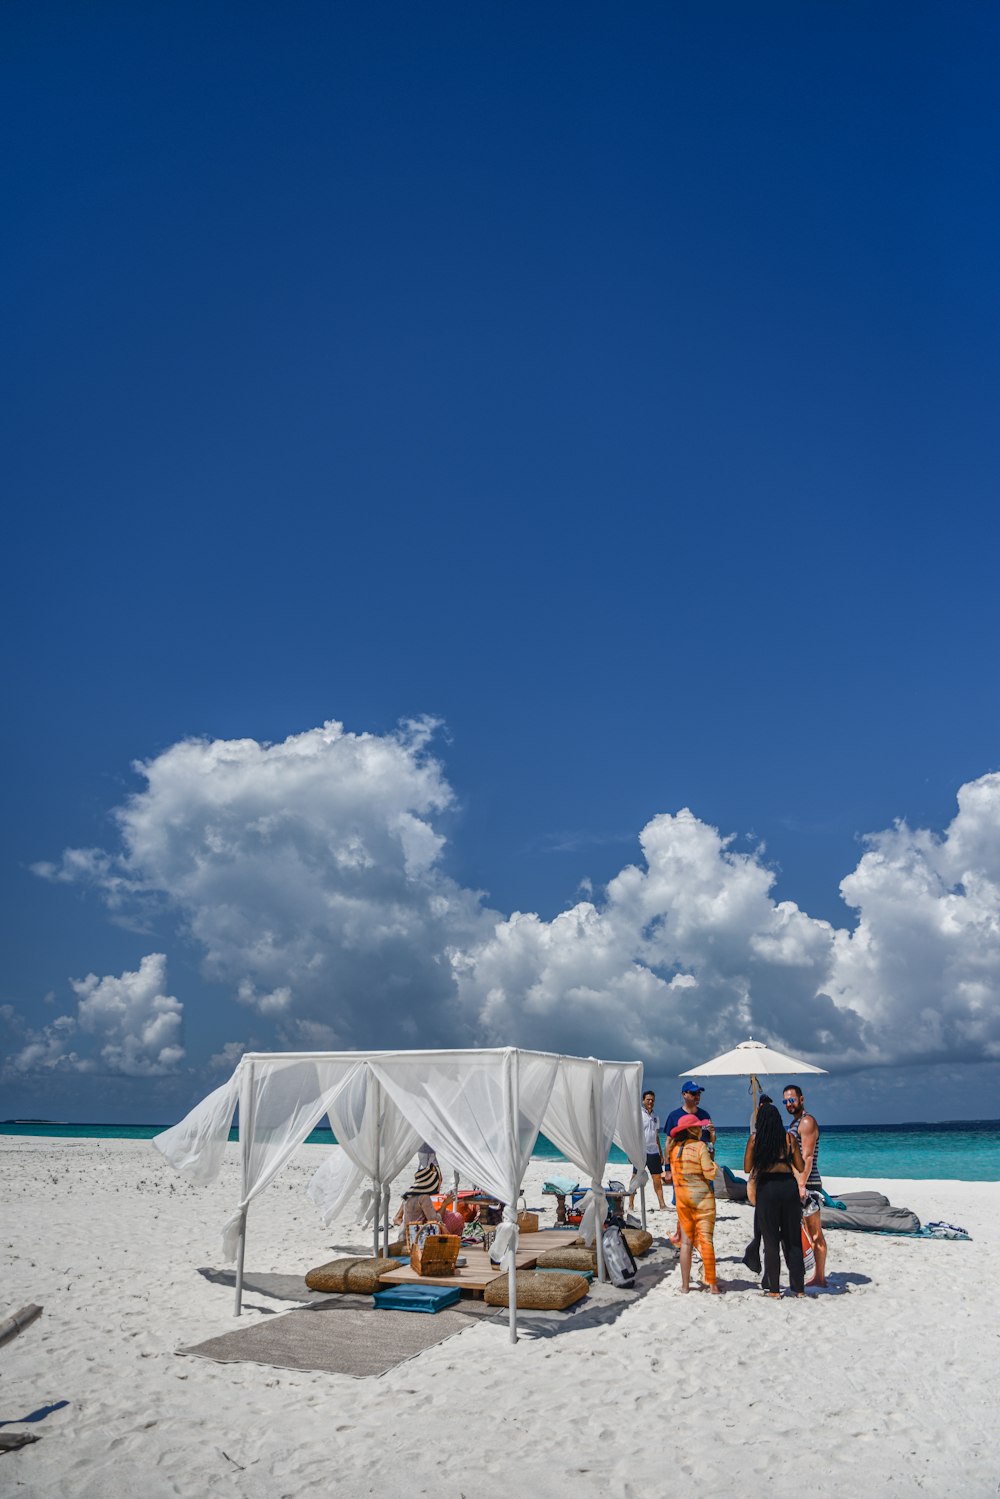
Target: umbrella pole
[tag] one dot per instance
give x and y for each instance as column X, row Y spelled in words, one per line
column 754, row 1086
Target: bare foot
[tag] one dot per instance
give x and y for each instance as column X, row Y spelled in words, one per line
column 714, row 1291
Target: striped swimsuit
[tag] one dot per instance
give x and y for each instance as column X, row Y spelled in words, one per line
column 814, row 1182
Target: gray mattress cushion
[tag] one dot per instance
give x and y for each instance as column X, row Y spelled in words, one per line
column 870, row 1212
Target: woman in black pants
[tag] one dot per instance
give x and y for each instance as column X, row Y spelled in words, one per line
column 770, row 1155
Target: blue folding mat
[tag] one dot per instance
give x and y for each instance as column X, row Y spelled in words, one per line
column 416, row 1298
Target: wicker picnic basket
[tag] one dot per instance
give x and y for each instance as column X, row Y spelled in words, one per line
column 430, row 1253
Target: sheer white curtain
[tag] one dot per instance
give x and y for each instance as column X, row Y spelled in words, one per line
column 628, row 1132
column 195, row 1147
column 580, row 1120
column 377, row 1141
column 482, row 1109
column 281, row 1100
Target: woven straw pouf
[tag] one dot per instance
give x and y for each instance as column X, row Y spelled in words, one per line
column 538, row 1291
column 577, row 1257
column 360, row 1277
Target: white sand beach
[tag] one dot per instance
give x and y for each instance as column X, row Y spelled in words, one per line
column 886, row 1385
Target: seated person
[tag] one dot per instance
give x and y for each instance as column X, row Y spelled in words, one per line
column 417, row 1205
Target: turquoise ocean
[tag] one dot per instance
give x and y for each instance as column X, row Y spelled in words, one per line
column 968, row 1151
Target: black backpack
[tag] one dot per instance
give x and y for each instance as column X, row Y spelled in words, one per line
column 618, row 1261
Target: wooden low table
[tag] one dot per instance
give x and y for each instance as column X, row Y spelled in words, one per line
column 473, row 1278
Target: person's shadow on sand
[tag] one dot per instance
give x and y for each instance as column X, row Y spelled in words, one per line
column 838, row 1283
column 38, row 1415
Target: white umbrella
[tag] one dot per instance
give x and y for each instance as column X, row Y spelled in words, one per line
column 750, row 1059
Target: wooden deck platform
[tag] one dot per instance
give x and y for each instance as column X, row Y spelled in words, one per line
column 475, row 1276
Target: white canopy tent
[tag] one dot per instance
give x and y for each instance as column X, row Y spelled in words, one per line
column 481, row 1109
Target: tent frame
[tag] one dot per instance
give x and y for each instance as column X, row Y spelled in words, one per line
column 511, row 1058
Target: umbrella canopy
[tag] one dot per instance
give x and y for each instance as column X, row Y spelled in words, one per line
column 750, row 1059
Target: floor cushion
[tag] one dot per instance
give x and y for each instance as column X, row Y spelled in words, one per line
column 416, row 1298
column 576, row 1257
column 538, row 1290
column 354, row 1275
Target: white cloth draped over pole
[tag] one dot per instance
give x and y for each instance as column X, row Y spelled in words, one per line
column 375, row 1138
column 589, row 1106
column 281, row 1100
column 629, row 1133
column 195, row 1147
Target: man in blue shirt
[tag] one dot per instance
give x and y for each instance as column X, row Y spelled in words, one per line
column 691, row 1094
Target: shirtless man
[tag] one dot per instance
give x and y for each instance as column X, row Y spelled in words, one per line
column 806, row 1131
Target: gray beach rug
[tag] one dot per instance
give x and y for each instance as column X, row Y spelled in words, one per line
column 341, row 1335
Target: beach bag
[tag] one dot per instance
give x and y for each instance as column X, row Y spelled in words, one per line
column 808, row 1257
column 618, row 1261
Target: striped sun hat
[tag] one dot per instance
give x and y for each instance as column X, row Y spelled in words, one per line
column 427, row 1179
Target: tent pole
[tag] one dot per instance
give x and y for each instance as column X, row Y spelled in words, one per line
column 385, row 1227
column 246, row 1140
column 595, row 1122
column 642, row 1203
column 239, row 1264
column 377, row 1181
column 512, row 1107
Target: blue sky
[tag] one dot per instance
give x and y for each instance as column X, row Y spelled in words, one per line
column 615, row 389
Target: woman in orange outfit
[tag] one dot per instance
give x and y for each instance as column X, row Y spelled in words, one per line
column 692, row 1169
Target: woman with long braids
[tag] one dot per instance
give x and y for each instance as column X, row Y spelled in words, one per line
column 770, row 1155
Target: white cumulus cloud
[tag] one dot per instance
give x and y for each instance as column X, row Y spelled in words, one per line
column 307, row 872
column 310, row 875
column 125, row 1024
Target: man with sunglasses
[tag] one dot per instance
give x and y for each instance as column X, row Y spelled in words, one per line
column 805, row 1129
